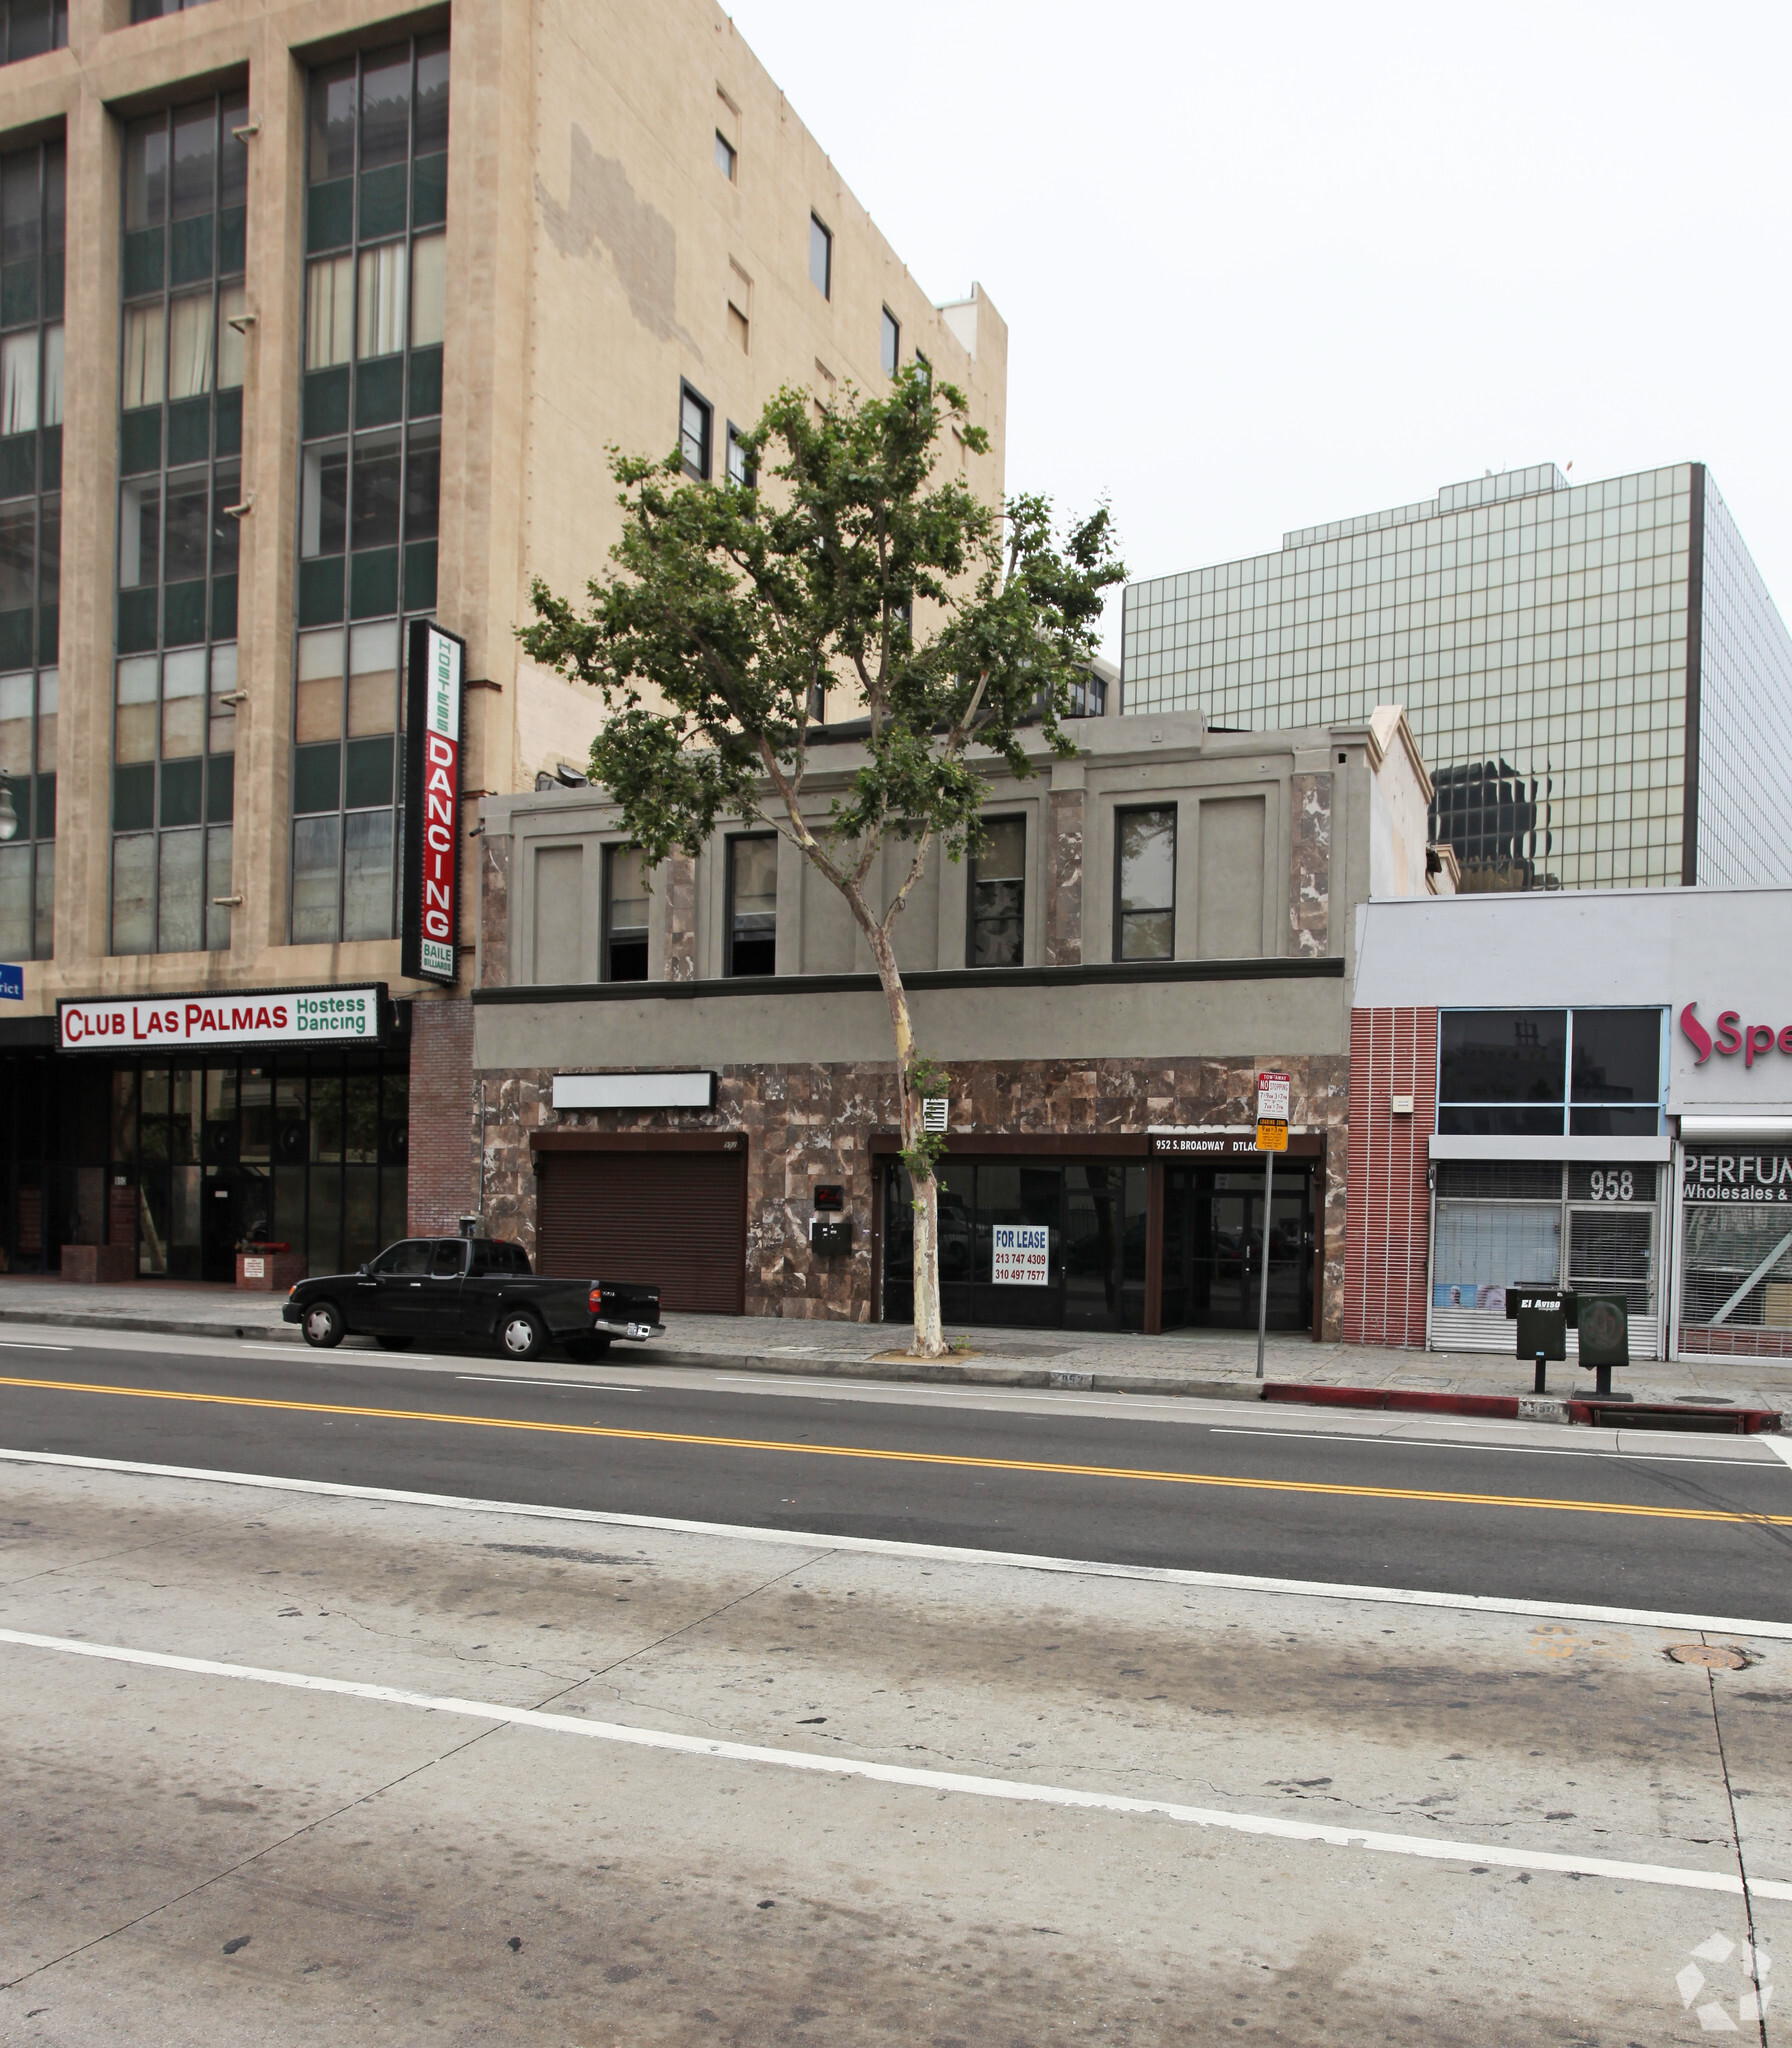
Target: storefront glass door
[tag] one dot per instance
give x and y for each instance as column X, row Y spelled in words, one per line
column 1213, row 1247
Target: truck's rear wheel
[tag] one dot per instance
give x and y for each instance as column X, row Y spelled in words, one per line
column 520, row 1335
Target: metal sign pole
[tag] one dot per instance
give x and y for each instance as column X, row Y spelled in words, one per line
column 1269, row 1181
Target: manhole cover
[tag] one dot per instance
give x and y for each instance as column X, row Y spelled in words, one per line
column 1712, row 1655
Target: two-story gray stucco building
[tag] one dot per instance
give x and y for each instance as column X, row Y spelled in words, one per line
column 673, row 1073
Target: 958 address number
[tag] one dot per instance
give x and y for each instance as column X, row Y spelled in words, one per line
column 1612, row 1186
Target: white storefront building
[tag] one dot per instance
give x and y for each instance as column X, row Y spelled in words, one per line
column 1582, row 1088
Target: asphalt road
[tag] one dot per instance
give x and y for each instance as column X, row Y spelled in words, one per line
column 1663, row 1525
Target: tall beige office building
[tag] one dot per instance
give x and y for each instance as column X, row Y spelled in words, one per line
column 316, row 319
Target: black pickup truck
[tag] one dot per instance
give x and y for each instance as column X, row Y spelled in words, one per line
column 437, row 1287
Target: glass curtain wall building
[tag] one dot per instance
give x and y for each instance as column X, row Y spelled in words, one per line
column 32, row 234
column 1596, row 674
column 371, row 468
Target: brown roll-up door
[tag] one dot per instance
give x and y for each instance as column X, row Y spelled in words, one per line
column 672, row 1220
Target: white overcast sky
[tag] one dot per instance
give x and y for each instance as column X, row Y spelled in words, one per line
column 1265, row 266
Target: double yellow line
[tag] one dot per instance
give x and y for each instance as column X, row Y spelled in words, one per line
column 950, row 1459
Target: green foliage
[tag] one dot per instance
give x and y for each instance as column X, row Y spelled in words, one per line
column 728, row 607
column 921, row 1155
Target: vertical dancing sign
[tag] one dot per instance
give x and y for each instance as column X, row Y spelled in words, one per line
column 433, row 689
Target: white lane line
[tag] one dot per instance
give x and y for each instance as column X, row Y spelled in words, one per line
column 883, row 1546
column 1422, row 1846
column 1780, row 1446
column 503, row 1379
column 1422, row 1443
column 31, row 1344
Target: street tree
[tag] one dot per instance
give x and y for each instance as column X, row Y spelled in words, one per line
column 858, row 563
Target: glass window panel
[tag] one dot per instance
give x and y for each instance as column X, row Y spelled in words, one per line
column 386, row 107
column 423, row 483
column 316, row 846
column 16, row 693
column 223, row 684
column 45, row 905
column 18, row 557
column 625, row 914
column 52, row 380
column 319, row 715
column 20, row 207
column 998, row 895
column 227, row 481
column 892, row 343
column 183, row 703
column 185, row 526
column 821, row 258
column 181, row 915
column 15, row 901
column 133, row 894
column 376, row 491
column 232, row 304
column 379, row 316
column 323, row 499
column 190, row 345
column 146, row 173
column 18, row 383
column 235, row 183
column 752, row 906
column 329, row 311
column 333, row 122
column 1146, row 895
column 430, row 130
column 429, row 290
column 372, row 678
column 1502, row 1055
column 693, row 433
column 195, row 155
column 144, row 362
column 367, row 906
column 1617, row 1056
column 140, row 533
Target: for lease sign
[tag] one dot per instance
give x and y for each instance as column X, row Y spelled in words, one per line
column 1020, row 1254
column 434, row 685
column 308, row 1016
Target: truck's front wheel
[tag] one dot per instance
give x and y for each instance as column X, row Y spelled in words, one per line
column 520, row 1335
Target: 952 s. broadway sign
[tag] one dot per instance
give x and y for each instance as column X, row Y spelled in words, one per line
column 288, row 1016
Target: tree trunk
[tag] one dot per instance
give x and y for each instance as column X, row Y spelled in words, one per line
column 929, row 1340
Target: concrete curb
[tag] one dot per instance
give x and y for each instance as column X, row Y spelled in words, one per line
column 162, row 1326
column 949, row 1372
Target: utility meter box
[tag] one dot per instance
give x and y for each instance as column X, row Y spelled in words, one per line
column 1544, row 1316
column 830, row 1237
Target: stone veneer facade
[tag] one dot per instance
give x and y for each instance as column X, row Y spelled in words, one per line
column 808, row 1123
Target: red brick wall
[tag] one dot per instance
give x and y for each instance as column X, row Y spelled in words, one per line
column 1388, row 1207
column 444, row 1175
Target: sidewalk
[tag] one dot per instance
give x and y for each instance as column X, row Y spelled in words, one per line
column 1211, row 1363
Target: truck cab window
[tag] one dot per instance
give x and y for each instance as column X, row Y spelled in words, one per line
column 449, row 1258
column 403, row 1260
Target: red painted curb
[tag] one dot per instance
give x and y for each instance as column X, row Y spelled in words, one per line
column 1502, row 1406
